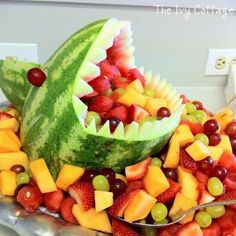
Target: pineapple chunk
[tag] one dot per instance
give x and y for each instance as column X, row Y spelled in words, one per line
column 215, row 152
column 184, row 135
column 225, row 143
column 103, row 200
column 198, row 151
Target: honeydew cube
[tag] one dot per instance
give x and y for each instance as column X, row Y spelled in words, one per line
column 103, row 200
column 154, row 104
column 215, row 152
column 7, row 182
column 225, row 143
column 184, row 135
column 198, row 151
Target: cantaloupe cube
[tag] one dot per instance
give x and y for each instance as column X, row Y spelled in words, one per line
column 154, row 104
column 224, row 117
column 103, row 200
column 184, row 134
column 9, row 142
column 7, row 160
column 215, row 152
column 42, row 176
column 68, row 175
column 172, row 156
column 198, row 151
column 7, row 182
column 225, row 143
column 92, row 219
column 11, row 123
column 136, row 85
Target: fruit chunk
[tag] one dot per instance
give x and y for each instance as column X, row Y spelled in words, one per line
column 136, row 85
column 140, row 206
column 228, row 160
column 187, row 162
column 42, row 176
column 224, row 117
column 225, row 143
column 92, row 219
column 190, row 229
column 231, row 195
column 103, row 200
column 155, row 182
column 11, row 123
column 206, row 197
column 68, row 175
column 215, row 152
column 7, row 160
column 66, row 210
column 120, row 228
column 180, row 205
column 137, row 113
column 134, row 74
column 154, row 104
column 53, row 200
column 189, row 184
column 198, row 151
column 213, row 230
column 7, row 182
column 9, row 142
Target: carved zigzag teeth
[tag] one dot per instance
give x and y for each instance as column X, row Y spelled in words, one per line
column 89, row 72
column 82, row 88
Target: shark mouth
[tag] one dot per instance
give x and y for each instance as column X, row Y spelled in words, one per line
column 117, row 36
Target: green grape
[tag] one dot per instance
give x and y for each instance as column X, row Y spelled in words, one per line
column 190, row 107
column 190, row 118
column 93, row 115
column 162, row 222
column 215, row 211
column 120, row 91
column 215, row 186
column 200, row 115
column 203, row 219
column 101, row 183
column 156, row 162
column 108, row 92
column 202, row 137
column 149, row 92
column 148, row 119
column 159, row 212
column 22, row 178
column 149, row 231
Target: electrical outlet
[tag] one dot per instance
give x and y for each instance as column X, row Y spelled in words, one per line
column 219, row 61
column 19, row 51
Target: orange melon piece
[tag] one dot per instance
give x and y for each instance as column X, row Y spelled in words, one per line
column 136, row 85
column 7, row 182
column 7, row 160
column 140, row 206
column 154, row 104
column 42, row 176
column 9, row 142
column 172, row 156
column 92, row 219
column 11, row 123
column 68, row 175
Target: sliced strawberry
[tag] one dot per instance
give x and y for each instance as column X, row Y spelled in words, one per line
column 120, row 228
column 228, row 160
column 170, row 193
column 184, row 98
column 101, row 84
column 228, row 220
column 137, row 171
column 29, row 197
column 137, row 113
column 101, row 104
column 228, row 196
column 169, row 231
column 119, row 112
column 187, row 162
column 83, row 193
column 5, row 116
column 66, row 210
column 134, row 74
column 196, row 128
column 213, row 230
column 138, row 184
column 53, row 200
column 190, row 229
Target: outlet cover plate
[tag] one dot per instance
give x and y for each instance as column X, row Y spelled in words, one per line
column 19, row 51
column 213, row 55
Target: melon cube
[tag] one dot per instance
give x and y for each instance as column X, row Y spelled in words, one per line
column 42, row 176
column 225, row 143
column 136, row 85
column 224, row 117
column 154, row 104
column 9, row 142
column 68, row 175
column 198, row 151
column 103, row 200
column 215, row 152
column 7, row 182
column 11, row 123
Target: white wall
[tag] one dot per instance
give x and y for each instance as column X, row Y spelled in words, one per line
column 168, row 44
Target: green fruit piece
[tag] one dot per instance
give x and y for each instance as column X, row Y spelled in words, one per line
column 203, row 219
column 108, row 92
column 148, row 92
column 190, row 107
column 215, row 186
column 202, row 137
column 148, row 119
column 22, row 178
column 156, row 162
column 149, row 231
column 120, row 91
column 190, row 118
column 200, row 115
column 92, row 115
column 162, row 222
column 159, row 212
column 100, row 183
column 215, row 211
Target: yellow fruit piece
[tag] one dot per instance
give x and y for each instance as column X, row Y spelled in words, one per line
column 224, row 117
column 225, row 143
column 42, row 176
column 68, row 175
column 188, row 183
column 198, row 151
column 180, row 205
column 7, row 182
column 92, row 219
column 140, row 206
column 155, row 181
column 130, row 97
column 122, row 177
column 154, row 104
column 103, row 200
column 184, row 135
column 215, row 152
column 136, row 85
column 7, row 160
column 172, row 156
column 11, row 123
column 9, row 142
column 13, row 112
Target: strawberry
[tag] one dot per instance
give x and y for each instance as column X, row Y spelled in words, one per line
column 66, row 210
column 169, row 230
column 137, row 113
column 137, row 171
column 228, row 196
column 134, row 74
column 119, row 112
column 170, row 193
column 100, row 84
column 135, row 186
column 29, row 197
column 5, row 116
column 120, row 228
column 187, row 162
column 196, row 128
column 213, row 230
column 228, row 220
column 228, row 160
column 184, row 98
column 101, row 104
column 53, row 200
column 190, row 229
column 83, row 193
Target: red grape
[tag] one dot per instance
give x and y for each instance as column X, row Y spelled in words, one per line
column 206, row 163
column 89, row 175
column 36, row 76
column 230, row 129
column 163, row 112
column 114, row 122
column 118, row 187
column 198, row 105
column 214, row 139
column 18, row 169
column 211, row 126
column 233, row 143
column 109, row 174
column 219, row 172
column 170, row 173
